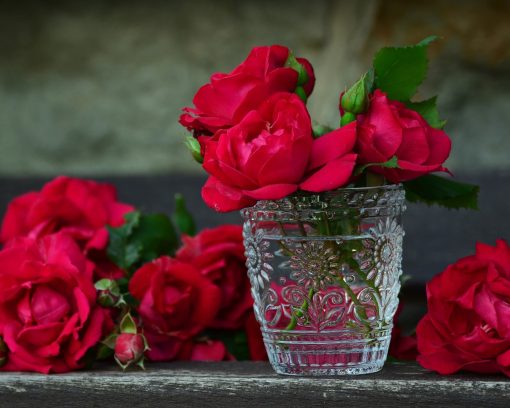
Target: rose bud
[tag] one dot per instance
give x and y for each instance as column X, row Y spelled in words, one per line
column 106, row 299
column 300, row 91
column 293, row 63
column 129, row 349
column 193, row 146
column 108, row 292
column 347, row 118
column 3, row 352
column 310, row 76
column 389, row 128
column 130, row 345
column 355, row 99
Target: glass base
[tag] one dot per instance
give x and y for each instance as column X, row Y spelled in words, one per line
column 329, row 353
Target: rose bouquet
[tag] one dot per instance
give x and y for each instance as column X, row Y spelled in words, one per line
column 322, row 207
column 254, row 137
column 86, row 277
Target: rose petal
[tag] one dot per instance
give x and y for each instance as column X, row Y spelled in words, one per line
column 223, row 198
column 271, row 192
column 439, row 145
column 333, row 175
column 414, row 147
column 388, row 130
column 332, row 145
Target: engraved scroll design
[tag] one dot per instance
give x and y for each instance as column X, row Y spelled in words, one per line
column 314, row 311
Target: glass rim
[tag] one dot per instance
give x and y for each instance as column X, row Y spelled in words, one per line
column 302, row 197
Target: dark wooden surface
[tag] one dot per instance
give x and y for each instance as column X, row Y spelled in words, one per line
column 240, row 385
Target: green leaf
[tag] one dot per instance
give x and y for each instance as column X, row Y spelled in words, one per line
column 236, row 342
column 432, row 189
column 400, row 70
column 369, row 78
column 104, row 284
column 103, row 352
column 110, row 340
column 128, row 325
column 390, row 164
column 182, row 217
column 154, row 237
column 141, row 363
column 132, row 220
column 133, row 252
column 428, row 40
column 141, row 238
column 118, row 239
column 428, row 109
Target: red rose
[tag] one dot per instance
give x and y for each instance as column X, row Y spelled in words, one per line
column 227, row 98
column 271, row 154
column 81, row 208
column 331, row 160
column 401, row 347
column 467, row 326
column 254, row 336
column 390, row 129
column 129, row 348
column 262, row 158
column 219, row 255
column 206, row 350
column 176, row 303
column 49, row 318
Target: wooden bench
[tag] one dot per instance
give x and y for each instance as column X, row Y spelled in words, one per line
column 249, row 384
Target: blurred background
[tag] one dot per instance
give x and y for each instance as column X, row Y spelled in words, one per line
column 95, row 89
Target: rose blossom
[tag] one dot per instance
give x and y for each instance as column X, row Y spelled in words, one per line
column 219, row 255
column 390, row 129
column 176, row 303
column 227, row 98
column 49, row 318
column 81, row 208
column 271, row 154
column 467, row 326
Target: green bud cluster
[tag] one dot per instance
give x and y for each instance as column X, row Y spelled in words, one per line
column 194, row 147
column 293, row 63
column 355, row 100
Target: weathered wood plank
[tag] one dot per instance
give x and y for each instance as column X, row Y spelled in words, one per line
column 246, row 384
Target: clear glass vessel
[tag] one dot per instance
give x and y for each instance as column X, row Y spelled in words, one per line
column 324, row 271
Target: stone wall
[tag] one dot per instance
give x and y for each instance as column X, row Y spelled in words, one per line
column 96, row 87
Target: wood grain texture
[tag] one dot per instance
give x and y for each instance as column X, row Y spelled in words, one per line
column 248, row 384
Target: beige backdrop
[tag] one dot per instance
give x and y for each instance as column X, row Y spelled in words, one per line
column 97, row 88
